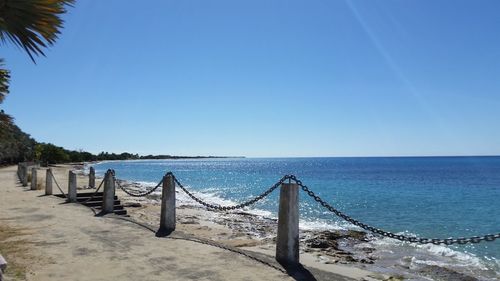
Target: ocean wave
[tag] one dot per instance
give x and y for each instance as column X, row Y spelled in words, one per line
column 417, row 255
column 320, row 225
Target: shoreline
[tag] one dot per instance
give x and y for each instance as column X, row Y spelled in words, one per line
column 349, row 253
column 236, row 229
column 241, row 229
column 328, row 249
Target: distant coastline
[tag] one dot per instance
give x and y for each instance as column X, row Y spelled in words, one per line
column 175, row 157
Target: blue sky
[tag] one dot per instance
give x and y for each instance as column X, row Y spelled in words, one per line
column 267, row 78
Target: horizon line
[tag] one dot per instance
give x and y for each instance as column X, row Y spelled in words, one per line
column 355, row 156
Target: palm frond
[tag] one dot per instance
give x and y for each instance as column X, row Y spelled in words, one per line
column 4, row 81
column 32, row 24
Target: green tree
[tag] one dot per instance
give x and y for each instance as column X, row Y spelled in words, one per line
column 51, row 154
column 15, row 145
column 4, row 81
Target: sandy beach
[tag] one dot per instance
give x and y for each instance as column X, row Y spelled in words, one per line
column 44, row 238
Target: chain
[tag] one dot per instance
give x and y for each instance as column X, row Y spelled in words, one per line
column 447, row 241
column 57, row 184
column 94, row 194
column 412, row 239
column 227, row 208
column 91, row 197
column 132, row 193
column 83, row 202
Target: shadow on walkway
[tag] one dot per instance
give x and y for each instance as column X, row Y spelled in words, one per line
column 298, row 272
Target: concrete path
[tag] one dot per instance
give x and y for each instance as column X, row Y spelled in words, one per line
column 69, row 243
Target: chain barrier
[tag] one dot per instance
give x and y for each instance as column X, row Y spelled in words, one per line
column 65, row 195
column 227, row 208
column 305, row 188
column 94, row 194
column 133, row 194
column 57, row 184
column 412, row 239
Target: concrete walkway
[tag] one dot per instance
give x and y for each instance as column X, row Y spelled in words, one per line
column 69, row 243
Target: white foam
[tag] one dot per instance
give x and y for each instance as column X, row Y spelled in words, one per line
column 462, row 259
column 146, row 184
column 431, row 254
column 210, row 195
column 319, row 225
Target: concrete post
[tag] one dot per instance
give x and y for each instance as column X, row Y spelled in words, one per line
column 167, row 217
column 92, row 177
column 33, row 178
column 25, row 175
column 48, row 182
column 3, row 267
column 20, row 171
column 108, row 201
column 72, row 187
column 287, row 241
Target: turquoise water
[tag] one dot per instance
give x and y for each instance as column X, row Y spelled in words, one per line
column 434, row 197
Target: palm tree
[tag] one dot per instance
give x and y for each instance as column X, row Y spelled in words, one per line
column 31, row 24
column 4, row 90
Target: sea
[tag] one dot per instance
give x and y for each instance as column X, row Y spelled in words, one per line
column 431, row 197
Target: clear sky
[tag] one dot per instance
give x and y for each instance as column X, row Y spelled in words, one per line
column 267, row 78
